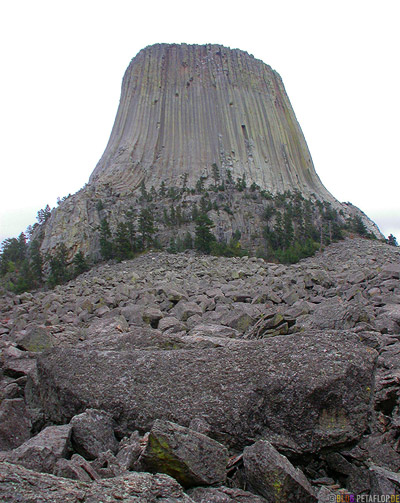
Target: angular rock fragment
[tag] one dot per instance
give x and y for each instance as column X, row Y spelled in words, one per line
column 93, row 433
column 273, row 476
column 42, row 451
column 184, row 310
column 129, row 451
column 384, row 482
column 76, row 468
column 15, row 425
column 190, row 457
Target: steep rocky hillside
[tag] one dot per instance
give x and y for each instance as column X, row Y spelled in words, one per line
column 192, row 378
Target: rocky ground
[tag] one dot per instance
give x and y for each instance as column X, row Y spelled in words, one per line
column 187, row 378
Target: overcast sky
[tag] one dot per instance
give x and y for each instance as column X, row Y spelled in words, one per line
column 63, row 61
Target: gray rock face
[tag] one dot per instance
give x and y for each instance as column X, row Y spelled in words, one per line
column 20, row 484
column 273, row 476
column 304, row 391
column 190, row 457
column 93, row 433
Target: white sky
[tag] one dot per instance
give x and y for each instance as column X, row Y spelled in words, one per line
column 62, row 64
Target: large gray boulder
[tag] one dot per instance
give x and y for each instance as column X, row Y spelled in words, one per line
column 302, row 391
column 273, row 476
column 18, row 484
column 190, row 457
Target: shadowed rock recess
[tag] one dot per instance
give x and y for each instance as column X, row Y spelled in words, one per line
column 187, row 378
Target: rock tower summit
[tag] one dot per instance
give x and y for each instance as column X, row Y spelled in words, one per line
column 185, row 108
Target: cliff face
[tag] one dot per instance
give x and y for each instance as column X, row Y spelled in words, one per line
column 185, row 107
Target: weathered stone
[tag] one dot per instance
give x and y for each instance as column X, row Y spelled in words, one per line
column 223, row 495
column 37, row 339
column 273, row 476
column 152, row 316
column 184, row 310
column 133, row 314
column 273, row 387
column 393, row 270
column 18, row 484
column 101, row 327
column 211, row 330
column 171, row 324
column 239, row 320
column 190, row 457
column 42, row 451
column 335, row 313
column 19, row 367
column 129, row 451
column 384, row 482
column 15, row 425
column 76, row 468
column 93, row 433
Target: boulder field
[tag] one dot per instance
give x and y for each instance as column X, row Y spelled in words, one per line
column 189, row 378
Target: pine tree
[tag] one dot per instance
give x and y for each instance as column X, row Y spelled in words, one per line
column 146, row 227
column 172, row 245
column 36, row 261
column 106, row 245
column 391, row 240
column 215, row 174
column 80, row 263
column 163, row 189
column 203, row 235
column 200, row 185
column 122, row 244
column 58, row 266
column 44, row 214
column 187, row 241
column 144, row 194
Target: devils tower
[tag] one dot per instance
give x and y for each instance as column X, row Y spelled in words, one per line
column 193, row 118
column 185, row 107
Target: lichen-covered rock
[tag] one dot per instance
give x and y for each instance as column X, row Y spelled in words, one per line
column 304, row 391
column 36, row 339
column 190, row 457
column 273, row 476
